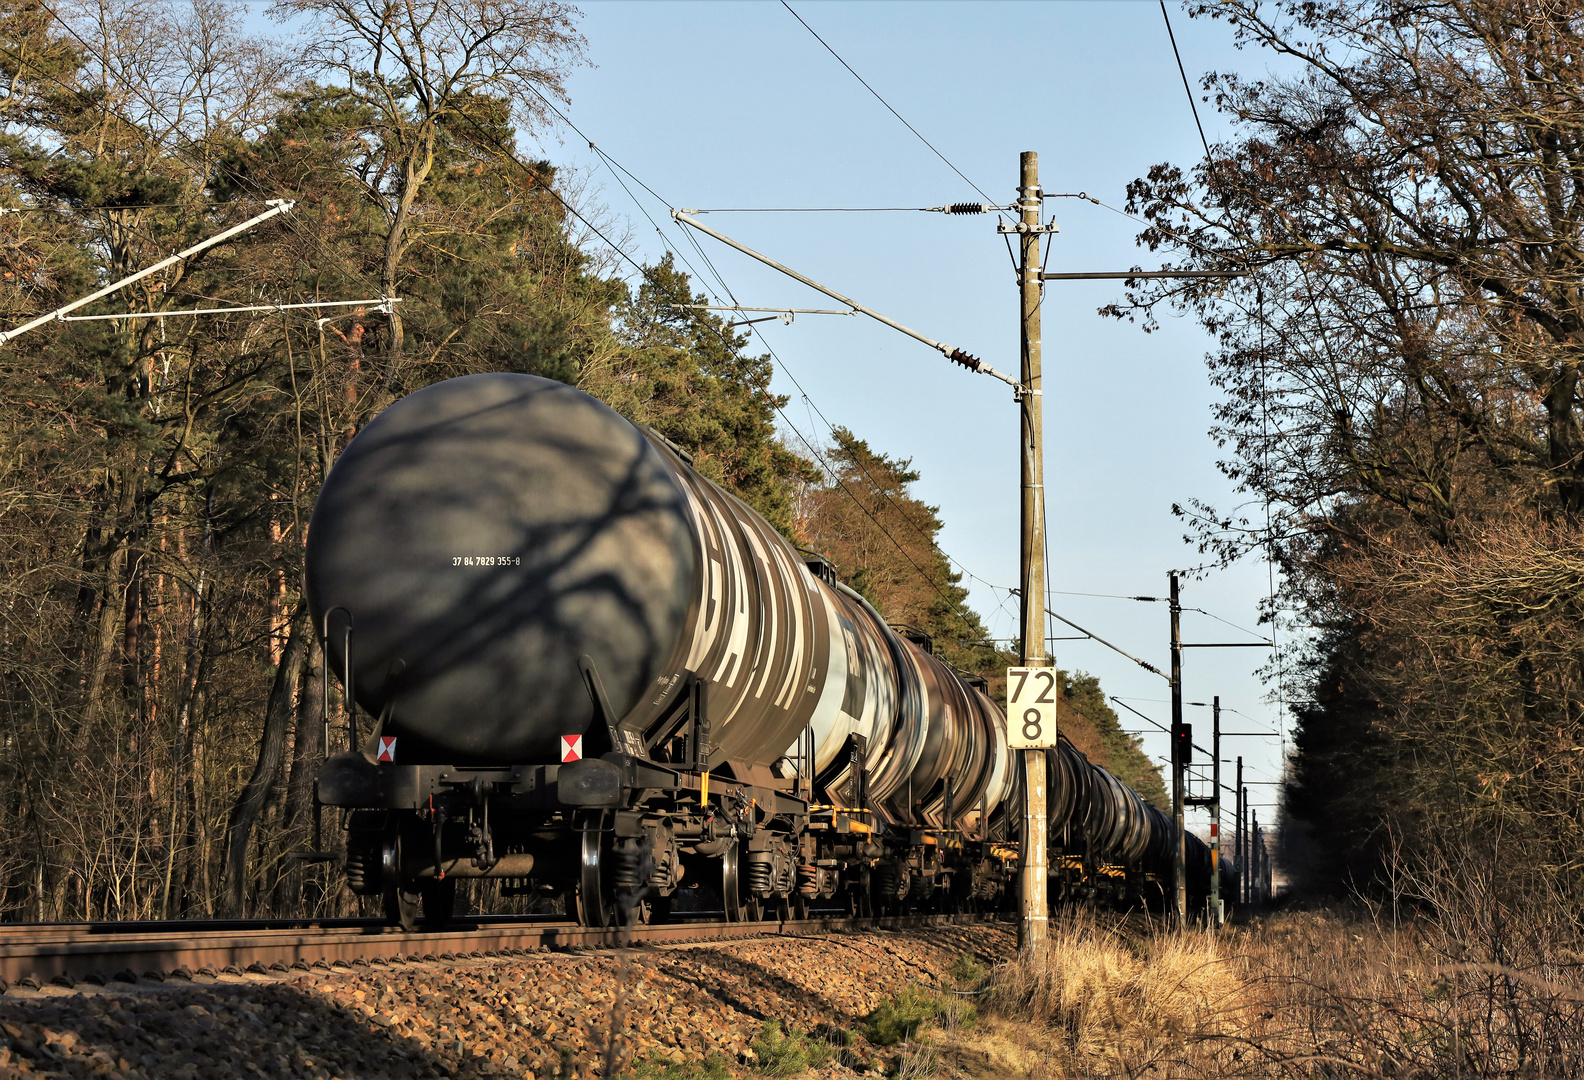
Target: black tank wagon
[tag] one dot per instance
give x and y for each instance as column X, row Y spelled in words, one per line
column 595, row 674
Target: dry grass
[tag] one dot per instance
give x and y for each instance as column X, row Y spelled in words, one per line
column 1301, row 995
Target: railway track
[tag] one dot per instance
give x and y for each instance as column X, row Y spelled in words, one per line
column 69, row 953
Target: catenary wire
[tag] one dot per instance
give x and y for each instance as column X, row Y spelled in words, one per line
column 886, row 103
column 644, row 273
column 1227, row 622
column 1270, row 567
column 1186, row 88
column 816, row 210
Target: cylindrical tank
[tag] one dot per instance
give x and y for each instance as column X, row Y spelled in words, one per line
column 484, row 533
column 487, row 532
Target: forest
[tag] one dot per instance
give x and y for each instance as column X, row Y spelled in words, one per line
column 161, row 688
column 1400, row 356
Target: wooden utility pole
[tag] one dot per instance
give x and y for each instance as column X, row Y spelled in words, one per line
column 1215, row 821
column 1035, row 910
column 1238, row 858
column 1180, row 747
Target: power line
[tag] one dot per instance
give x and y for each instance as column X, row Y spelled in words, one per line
column 1107, row 596
column 616, row 166
column 822, row 210
column 727, row 342
column 533, row 175
column 886, row 103
column 1145, row 664
column 1226, row 622
column 1186, row 88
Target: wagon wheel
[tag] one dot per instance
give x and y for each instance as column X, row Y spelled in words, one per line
column 592, row 907
column 401, row 906
column 741, row 905
column 401, row 898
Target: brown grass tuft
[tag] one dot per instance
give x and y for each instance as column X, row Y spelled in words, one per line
column 1296, row 995
column 1119, row 997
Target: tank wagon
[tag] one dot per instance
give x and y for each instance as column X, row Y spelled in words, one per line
column 594, row 674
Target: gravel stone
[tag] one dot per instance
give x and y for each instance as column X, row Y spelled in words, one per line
column 503, row 1016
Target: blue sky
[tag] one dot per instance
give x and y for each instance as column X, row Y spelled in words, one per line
column 737, row 105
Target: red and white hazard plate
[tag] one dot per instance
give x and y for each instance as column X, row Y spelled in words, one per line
column 387, row 748
column 571, row 748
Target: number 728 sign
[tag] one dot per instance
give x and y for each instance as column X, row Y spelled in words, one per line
column 1031, row 708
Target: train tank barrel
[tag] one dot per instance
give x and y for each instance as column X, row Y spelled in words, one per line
column 487, row 532
column 483, row 534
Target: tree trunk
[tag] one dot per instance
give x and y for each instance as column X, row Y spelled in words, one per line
column 272, row 750
column 308, row 751
column 415, row 174
column 109, row 623
column 308, row 748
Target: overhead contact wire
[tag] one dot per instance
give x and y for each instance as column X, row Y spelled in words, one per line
column 617, row 167
column 886, row 103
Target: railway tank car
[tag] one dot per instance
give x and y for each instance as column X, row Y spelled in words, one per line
column 592, row 673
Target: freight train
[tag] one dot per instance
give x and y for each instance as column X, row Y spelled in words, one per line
column 593, row 674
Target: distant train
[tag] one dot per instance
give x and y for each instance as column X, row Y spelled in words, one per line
column 596, row 675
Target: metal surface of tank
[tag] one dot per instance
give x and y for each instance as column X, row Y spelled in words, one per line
column 762, row 631
column 947, row 731
column 484, row 533
column 870, row 698
column 1061, row 793
column 999, row 759
column 894, row 763
column 969, row 782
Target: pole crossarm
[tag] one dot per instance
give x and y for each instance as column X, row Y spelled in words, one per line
column 951, row 352
column 276, row 206
column 773, row 310
column 1228, row 645
column 1156, row 723
column 1124, row 275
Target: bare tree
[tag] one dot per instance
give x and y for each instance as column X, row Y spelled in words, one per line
column 420, row 66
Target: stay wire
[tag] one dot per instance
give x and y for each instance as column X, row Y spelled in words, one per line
column 642, row 271
column 1270, row 540
column 616, row 168
column 1227, row 622
column 815, row 210
column 1270, row 565
column 615, row 165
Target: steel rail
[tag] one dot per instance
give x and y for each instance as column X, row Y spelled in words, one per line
column 64, row 954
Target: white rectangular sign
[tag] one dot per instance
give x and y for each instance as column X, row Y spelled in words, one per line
column 1031, row 708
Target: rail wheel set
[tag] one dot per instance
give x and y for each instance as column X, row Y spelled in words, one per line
column 594, row 676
